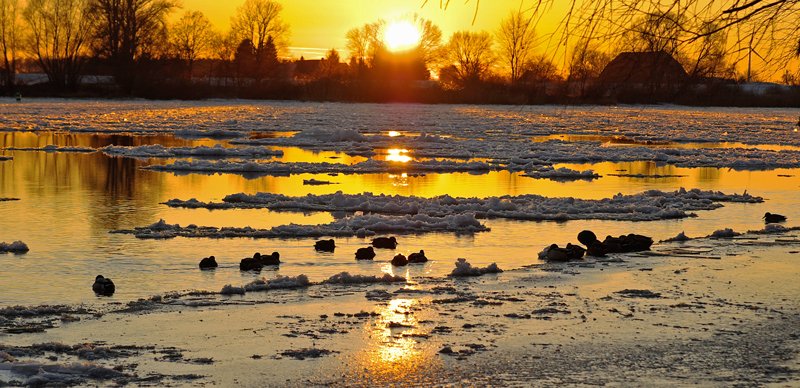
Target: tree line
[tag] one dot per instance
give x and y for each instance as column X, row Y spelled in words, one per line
column 132, row 42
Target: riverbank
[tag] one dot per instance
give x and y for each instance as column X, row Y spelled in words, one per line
column 712, row 312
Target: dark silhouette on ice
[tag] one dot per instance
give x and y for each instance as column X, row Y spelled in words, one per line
column 103, row 286
column 385, row 242
column 365, row 253
column 273, row 259
column 571, row 252
column 418, row 257
column 251, row 263
column 325, row 245
column 399, row 260
column 208, row 262
column 770, row 218
column 625, row 243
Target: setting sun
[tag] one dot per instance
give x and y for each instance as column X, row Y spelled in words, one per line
column 402, row 36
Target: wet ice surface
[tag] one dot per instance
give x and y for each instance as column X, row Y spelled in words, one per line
column 710, row 313
column 716, row 309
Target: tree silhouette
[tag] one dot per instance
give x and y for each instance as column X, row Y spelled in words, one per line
column 192, row 36
column 259, row 22
column 467, row 57
column 59, row 30
column 516, row 38
column 10, row 31
column 125, row 30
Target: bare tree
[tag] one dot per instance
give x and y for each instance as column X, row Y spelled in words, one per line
column 587, row 62
column 10, row 30
column 468, row 56
column 516, row 38
column 59, row 30
column 192, row 36
column 430, row 37
column 331, row 67
column 260, row 22
column 125, row 30
column 365, row 43
column 658, row 31
column 767, row 28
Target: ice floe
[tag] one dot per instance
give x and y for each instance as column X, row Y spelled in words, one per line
column 464, row 268
column 361, row 225
column 724, row 233
column 54, row 148
column 301, row 281
column 72, row 373
column 314, row 182
column 347, row 278
column 217, row 151
column 561, row 174
column 280, row 168
column 645, row 206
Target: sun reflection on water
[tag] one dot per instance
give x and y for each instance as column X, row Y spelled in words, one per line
column 397, row 155
column 395, row 347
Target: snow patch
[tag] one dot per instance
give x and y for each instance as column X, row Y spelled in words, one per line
column 464, row 268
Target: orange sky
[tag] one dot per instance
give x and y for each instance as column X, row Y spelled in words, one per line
column 319, row 25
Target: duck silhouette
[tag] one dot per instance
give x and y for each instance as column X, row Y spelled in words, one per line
column 208, row 262
column 325, row 245
column 365, row 253
column 399, row 260
column 103, row 286
column 385, row 242
column 273, row 259
column 251, row 263
column 418, row 257
column 770, row 218
column 625, row 243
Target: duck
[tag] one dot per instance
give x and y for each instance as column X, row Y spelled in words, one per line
column 399, row 260
column 557, row 254
column 103, row 286
column 587, row 237
column 251, row 263
column 575, row 252
column 385, row 242
column 635, row 243
column 273, row 259
column 365, row 253
column 418, row 257
column 772, row 218
column 325, row 245
column 208, row 262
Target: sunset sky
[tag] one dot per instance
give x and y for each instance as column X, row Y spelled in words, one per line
column 319, row 25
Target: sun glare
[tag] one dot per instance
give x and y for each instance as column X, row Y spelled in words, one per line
column 401, row 36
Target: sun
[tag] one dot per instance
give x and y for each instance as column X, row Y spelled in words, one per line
column 402, row 36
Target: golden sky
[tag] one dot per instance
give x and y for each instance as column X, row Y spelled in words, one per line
column 319, row 25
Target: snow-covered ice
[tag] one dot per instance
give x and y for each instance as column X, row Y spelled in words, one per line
column 217, row 151
column 645, row 206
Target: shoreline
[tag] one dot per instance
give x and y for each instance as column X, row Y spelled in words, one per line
column 683, row 323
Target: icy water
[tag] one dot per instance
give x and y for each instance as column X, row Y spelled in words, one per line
column 69, row 201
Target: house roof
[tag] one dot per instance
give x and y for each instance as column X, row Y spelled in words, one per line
column 643, row 67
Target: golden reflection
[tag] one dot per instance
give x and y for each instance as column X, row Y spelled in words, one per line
column 397, row 155
column 399, row 179
column 395, row 347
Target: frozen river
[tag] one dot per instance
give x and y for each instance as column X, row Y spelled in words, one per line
column 68, row 187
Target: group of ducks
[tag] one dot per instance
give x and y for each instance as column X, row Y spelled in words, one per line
column 398, row 260
column 594, row 247
column 625, row 243
column 258, row 260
